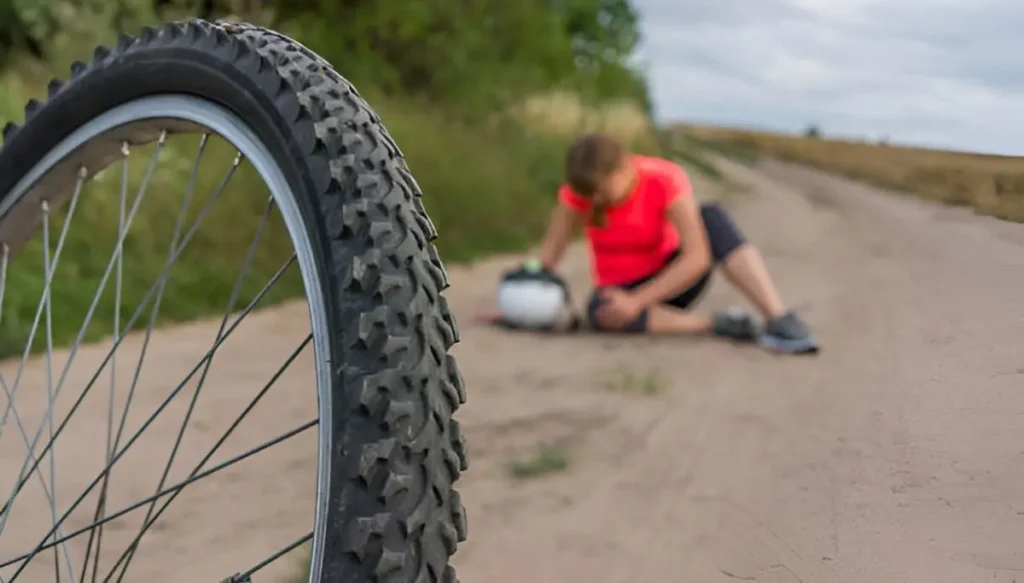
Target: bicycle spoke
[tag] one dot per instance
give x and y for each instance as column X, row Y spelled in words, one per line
column 72, row 205
column 166, row 401
column 138, row 312
column 5, row 256
column 244, row 577
column 111, row 447
column 5, row 511
column 118, row 283
column 50, row 400
column 88, row 317
column 172, row 490
column 277, row 276
column 239, row 281
column 216, row 446
column 50, row 496
column 198, row 468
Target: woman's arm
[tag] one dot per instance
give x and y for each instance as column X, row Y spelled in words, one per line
column 693, row 261
column 560, row 229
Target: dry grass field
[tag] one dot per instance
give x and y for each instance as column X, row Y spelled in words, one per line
column 992, row 185
column 563, row 115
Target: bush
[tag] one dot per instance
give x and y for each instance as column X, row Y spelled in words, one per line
column 201, row 280
column 488, row 188
column 489, row 162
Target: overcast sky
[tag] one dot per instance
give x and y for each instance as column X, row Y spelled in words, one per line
column 947, row 73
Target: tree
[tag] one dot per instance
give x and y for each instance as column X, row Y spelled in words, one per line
column 478, row 52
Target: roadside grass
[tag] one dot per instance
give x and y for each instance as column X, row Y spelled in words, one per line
column 547, row 459
column 301, row 560
column 698, row 148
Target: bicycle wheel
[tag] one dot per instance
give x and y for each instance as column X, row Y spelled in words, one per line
column 388, row 448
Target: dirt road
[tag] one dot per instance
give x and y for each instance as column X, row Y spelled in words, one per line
column 895, row 455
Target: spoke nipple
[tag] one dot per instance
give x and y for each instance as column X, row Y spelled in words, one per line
column 238, row 159
column 125, row 150
column 83, row 172
column 45, row 205
column 163, row 137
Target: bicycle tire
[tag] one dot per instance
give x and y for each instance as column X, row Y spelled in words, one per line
column 392, row 512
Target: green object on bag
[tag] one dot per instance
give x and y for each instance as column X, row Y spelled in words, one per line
column 533, row 266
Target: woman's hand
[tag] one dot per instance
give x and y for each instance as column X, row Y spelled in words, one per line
column 618, row 308
column 694, row 261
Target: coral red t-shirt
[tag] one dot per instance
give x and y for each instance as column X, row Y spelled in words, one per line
column 637, row 238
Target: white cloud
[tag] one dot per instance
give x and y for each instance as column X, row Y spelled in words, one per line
column 932, row 72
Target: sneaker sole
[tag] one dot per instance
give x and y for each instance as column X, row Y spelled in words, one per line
column 749, row 332
column 745, row 337
column 806, row 345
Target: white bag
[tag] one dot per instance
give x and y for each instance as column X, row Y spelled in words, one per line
column 533, row 298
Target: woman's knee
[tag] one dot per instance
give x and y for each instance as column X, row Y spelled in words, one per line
column 599, row 323
column 723, row 234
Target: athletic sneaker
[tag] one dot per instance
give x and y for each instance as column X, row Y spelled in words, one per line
column 787, row 334
column 735, row 324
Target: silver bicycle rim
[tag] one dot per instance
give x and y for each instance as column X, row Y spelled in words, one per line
column 169, row 109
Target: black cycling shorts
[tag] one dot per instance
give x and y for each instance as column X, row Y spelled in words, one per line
column 724, row 237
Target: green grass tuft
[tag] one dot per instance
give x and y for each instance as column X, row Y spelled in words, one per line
column 548, row 459
column 625, row 380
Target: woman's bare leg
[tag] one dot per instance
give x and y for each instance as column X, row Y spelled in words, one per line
column 745, row 268
column 663, row 319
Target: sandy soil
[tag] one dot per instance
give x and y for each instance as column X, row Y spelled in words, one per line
column 894, row 455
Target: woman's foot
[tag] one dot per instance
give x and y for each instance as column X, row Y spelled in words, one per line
column 735, row 324
column 787, row 334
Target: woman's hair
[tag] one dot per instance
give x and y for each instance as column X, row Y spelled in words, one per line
column 591, row 159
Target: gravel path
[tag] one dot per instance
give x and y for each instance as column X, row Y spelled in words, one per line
column 895, row 455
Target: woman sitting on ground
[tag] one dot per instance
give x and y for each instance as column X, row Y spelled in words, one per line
column 653, row 247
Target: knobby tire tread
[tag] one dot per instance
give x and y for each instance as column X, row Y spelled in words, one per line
column 394, row 516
